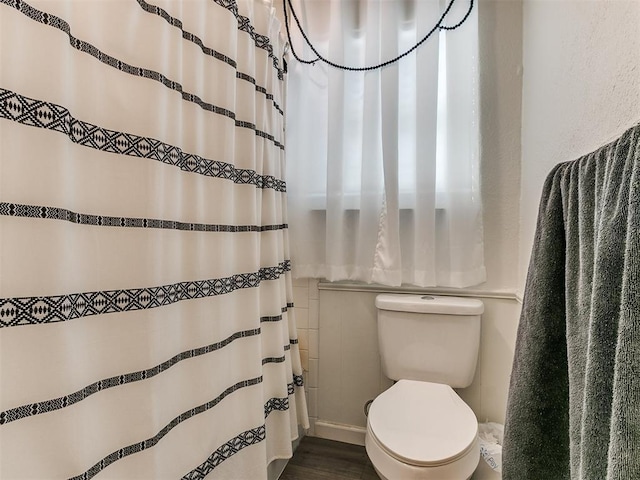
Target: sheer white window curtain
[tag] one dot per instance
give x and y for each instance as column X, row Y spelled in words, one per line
column 383, row 166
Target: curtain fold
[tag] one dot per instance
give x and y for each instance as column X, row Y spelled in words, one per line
column 383, row 164
column 146, row 314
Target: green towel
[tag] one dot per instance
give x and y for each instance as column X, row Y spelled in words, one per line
column 574, row 399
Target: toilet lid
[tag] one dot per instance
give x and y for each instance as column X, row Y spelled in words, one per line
column 422, row 423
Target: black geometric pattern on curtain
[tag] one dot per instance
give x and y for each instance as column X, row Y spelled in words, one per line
column 261, row 41
column 61, row 308
column 85, row 47
column 37, row 113
column 150, row 442
column 250, row 79
column 55, row 213
column 233, row 446
column 37, row 408
column 175, row 22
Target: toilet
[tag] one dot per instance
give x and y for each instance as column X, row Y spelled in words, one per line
column 420, row 428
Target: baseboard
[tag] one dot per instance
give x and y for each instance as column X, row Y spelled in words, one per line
column 340, row 432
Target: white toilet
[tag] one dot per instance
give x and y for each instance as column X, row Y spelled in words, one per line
column 420, row 428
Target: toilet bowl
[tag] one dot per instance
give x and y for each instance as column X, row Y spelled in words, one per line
column 422, row 430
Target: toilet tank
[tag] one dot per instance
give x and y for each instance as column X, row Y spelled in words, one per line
column 429, row 338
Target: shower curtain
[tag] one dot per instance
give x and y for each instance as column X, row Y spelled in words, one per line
column 146, row 324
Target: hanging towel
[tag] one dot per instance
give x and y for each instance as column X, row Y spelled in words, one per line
column 574, row 399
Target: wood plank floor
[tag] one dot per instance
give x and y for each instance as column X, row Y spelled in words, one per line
column 320, row 459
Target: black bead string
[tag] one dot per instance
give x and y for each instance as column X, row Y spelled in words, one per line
column 437, row 26
column 464, row 19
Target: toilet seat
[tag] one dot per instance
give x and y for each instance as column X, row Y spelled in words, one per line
column 422, row 424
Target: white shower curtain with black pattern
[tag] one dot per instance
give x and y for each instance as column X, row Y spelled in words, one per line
column 146, row 324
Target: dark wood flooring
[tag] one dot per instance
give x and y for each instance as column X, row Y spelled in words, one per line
column 320, row 459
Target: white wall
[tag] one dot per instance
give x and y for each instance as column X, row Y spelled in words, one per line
column 581, row 88
column 500, row 28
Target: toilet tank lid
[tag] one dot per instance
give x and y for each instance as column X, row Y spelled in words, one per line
column 439, row 304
